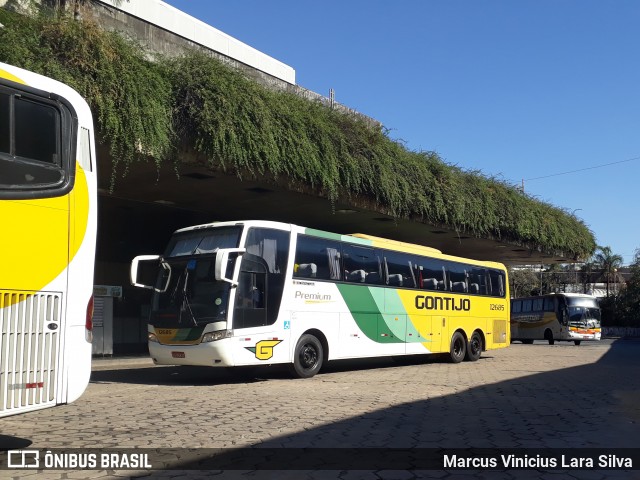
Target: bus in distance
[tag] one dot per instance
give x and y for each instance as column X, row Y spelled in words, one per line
column 571, row 317
column 48, row 205
column 258, row 292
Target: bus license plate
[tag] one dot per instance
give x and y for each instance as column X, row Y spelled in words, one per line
column 177, row 354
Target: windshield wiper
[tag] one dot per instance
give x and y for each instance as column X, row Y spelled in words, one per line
column 186, row 305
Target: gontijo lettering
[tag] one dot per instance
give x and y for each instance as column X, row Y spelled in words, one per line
column 427, row 302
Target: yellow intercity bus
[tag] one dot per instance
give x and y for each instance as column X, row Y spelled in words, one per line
column 257, row 292
column 47, row 247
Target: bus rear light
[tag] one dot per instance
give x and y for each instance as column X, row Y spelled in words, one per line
column 88, row 324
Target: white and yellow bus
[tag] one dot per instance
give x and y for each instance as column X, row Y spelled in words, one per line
column 47, row 246
column 571, row 317
column 257, row 292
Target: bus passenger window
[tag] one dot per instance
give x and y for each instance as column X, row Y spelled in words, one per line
column 478, row 281
column 516, row 306
column 538, row 303
column 457, row 277
column 430, row 274
column 496, row 280
column 36, row 121
column 362, row 264
column 549, row 304
column 317, row 258
column 398, row 266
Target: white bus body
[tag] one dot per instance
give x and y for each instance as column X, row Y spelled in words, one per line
column 255, row 292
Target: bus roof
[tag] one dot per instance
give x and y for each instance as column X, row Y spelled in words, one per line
column 361, row 238
column 397, row 245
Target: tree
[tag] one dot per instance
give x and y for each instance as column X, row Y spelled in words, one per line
column 586, row 272
column 524, row 282
column 555, row 279
column 629, row 299
column 607, row 262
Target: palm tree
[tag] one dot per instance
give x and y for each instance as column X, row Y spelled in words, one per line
column 607, row 262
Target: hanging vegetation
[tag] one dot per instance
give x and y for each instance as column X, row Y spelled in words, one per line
column 159, row 107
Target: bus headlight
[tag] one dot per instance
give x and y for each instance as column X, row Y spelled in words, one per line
column 152, row 337
column 213, row 336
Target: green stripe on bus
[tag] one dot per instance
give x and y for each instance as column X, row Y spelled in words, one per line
column 188, row 334
column 322, row 234
column 365, row 307
column 337, row 237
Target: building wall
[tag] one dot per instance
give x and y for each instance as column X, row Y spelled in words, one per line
column 163, row 29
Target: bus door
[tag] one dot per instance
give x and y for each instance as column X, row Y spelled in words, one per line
column 259, row 296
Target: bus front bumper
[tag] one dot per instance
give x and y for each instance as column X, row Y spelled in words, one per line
column 210, row 354
column 584, row 335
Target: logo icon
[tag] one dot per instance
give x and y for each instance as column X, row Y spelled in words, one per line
column 264, row 349
column 23, row 459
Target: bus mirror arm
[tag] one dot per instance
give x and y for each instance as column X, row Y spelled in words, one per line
column 222, row 259
column 134, row 269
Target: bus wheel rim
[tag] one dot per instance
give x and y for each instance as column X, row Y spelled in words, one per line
column 308, row 356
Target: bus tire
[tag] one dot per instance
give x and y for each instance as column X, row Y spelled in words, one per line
column 307, row 357
column 577, row 342
column 474, row 347
column 548, row 335
column 458, row 348
column 527, row 341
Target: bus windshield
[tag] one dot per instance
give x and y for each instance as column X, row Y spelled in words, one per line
column 193, row 296
column 584, row 317
column 583, row 312
column 200, row 242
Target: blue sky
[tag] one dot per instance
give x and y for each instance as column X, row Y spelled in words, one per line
column 515, row 89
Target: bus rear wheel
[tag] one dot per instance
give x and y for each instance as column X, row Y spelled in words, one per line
column 577, row 342
column 474, row 347
column 307, row 357
column 458, row 348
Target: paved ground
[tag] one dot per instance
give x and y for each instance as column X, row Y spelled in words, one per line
column 524, row 397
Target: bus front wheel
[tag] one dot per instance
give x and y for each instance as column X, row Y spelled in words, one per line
column 458, row 348
column 548, row 335
column 307, row 357
column 577, row 342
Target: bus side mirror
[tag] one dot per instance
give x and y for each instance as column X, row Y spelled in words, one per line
column 222, row 260
column 135, row 271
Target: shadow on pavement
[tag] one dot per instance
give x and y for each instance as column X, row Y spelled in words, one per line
column 594, row 406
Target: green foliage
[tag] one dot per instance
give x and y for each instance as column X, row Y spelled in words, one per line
column 129, row 96
column 197, row 104
column 627, row 303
